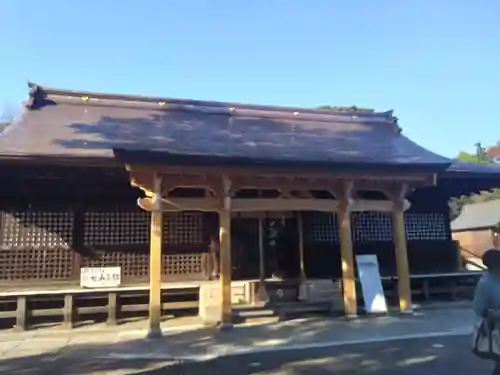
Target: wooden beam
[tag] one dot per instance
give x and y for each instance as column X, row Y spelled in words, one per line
column 226, row 320
column 143, row 179
column 234, row 173
column 180, row 204
column 277, row 179
column 360, row 205
column 155, row 263
column 281, row 183
column 265, row 204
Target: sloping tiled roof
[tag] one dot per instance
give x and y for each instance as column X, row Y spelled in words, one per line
column 80, row 124
column 478, row 215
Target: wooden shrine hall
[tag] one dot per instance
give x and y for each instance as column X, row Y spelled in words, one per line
column 222, row 161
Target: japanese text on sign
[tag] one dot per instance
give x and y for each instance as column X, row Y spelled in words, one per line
column 100, row 277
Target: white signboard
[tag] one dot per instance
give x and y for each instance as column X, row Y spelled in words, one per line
column 371, row 284
column 100, row 277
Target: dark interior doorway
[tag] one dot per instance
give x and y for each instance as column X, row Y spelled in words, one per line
column 245, row 248
column 281, row 248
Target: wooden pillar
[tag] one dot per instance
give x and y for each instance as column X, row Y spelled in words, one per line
column 347, row 259
column 21, row 313
column 113, row 309
column 155, row 263
column 226, row 320
column 403, row 269
column 69, row 311
column 300, row 230
column 262, row 292
column 347, row 251
column 303, row 292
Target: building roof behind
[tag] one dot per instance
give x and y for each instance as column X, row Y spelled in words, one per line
column 477, row 215
column 466, row 169
column 61, row 123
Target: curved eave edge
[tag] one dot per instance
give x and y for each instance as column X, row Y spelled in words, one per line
column 159, row 157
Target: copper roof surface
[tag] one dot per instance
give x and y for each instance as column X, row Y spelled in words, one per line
column 60, row 123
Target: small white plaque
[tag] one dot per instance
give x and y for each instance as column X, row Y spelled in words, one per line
column 100, row 277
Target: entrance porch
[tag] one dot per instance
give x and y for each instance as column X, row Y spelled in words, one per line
column 272, row 197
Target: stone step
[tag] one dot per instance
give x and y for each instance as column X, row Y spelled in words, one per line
column 282, row 309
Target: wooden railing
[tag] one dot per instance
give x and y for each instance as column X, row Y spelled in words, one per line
column 21, row 308
column 448, row 286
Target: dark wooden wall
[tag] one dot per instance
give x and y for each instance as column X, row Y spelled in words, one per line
column 55, row 220
column 430, row 247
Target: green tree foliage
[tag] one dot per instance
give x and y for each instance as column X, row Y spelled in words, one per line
column 482, row 156
column 465, row 156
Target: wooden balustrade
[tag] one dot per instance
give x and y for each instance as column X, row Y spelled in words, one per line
column 72, row 306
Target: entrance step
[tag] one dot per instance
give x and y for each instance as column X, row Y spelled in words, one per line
column 246, row 312
column 283, row 310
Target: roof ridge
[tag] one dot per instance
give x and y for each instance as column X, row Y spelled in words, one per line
column 40, row 96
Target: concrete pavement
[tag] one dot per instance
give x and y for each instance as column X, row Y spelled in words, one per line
column 435, row 356
column 125, row 351
column 429, row 356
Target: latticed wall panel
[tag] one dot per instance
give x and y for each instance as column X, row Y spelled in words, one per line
column 116, row 228
column 183, row 264
column 36, row 229
column 183, row 228
column 125, row 237
column 136, row 264
column 425, row 226
column 36, row 264
column 133, row 227
column 375, row 226
column 320, row 227
column 36, row 245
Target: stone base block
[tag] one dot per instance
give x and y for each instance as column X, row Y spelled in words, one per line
column 322, row 291
column 210, row 303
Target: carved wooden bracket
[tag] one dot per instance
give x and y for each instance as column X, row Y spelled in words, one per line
column 343, row 190
column 157, row 191
column 226, row 192
column 397, row 195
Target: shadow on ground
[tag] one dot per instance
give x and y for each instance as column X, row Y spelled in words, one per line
column 409, row 357
column 87, row 353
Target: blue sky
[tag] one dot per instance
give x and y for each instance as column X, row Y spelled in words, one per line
column 435, row 62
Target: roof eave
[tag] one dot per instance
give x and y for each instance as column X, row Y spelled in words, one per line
column 155, row 157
